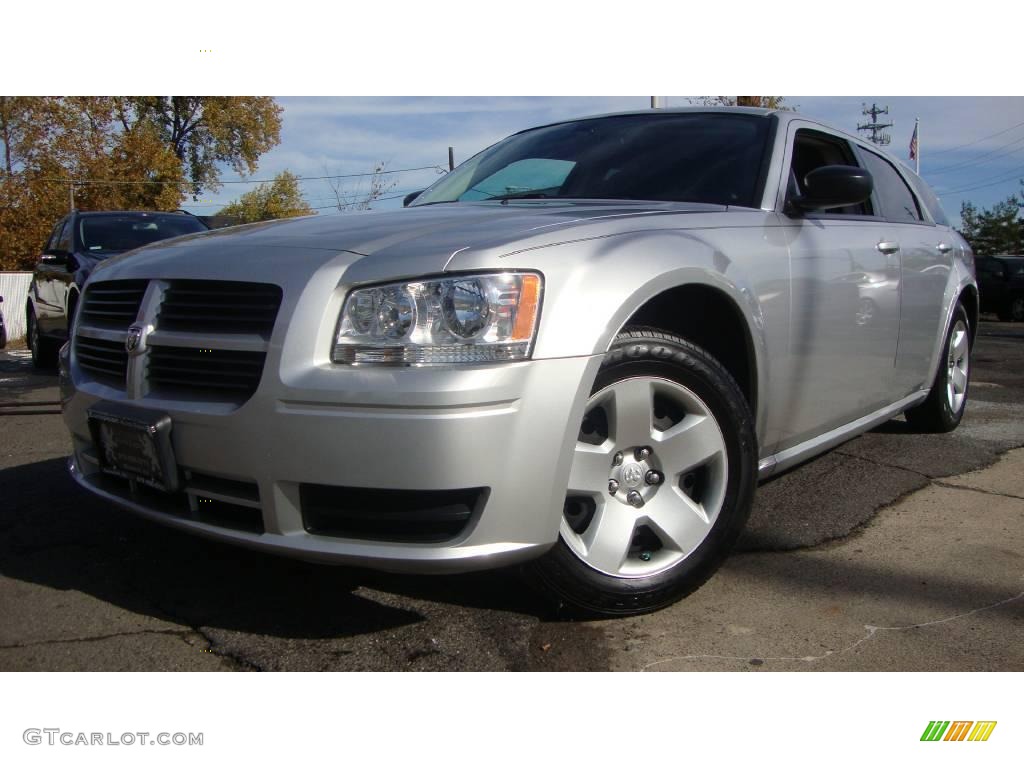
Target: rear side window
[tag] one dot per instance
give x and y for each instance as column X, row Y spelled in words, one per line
column 930, row 201
column 897, row 201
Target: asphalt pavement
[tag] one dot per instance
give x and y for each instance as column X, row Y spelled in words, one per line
column 896, row 551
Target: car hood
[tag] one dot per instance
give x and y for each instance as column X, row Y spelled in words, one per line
column 409, row 241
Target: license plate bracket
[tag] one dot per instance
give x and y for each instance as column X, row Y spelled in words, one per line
column 134, row 444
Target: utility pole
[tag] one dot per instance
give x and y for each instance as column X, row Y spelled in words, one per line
column 451, row 158
column 876, row 129
column 71, row 191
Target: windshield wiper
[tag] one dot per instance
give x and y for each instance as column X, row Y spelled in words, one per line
column 521, row 196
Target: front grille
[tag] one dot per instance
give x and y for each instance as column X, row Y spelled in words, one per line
column 381, row 514
column 113, row 304
column 221, row 313
column 192, row 371
column 214, row 307
column 106, row 360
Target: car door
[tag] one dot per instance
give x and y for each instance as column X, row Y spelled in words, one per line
column 926, row 258
column 49, row 265
column 844, row 324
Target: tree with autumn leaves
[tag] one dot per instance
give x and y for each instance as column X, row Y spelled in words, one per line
column 277, row 199
column 159, row 149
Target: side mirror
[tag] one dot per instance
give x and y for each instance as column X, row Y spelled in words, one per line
column 55, row 257
column 410, row 197
column 834, row 186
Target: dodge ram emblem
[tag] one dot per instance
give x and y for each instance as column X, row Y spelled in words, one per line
column 134, row 343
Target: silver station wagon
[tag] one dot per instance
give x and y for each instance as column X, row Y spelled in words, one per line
column 579, row 352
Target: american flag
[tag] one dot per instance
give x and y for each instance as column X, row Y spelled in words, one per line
column 913, row 144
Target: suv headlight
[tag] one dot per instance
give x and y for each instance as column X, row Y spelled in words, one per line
column 483, row 318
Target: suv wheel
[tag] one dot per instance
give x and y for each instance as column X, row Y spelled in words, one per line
column 662, row 479
column 44, row 352
column 946, row 402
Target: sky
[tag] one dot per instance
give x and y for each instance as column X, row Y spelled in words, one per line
column 323, row 136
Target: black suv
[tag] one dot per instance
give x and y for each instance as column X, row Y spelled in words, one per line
column 79, row 242
column 1001, row 285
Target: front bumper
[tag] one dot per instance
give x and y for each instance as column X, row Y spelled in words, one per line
column 508, row 429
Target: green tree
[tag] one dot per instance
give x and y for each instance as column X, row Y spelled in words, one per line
column 995, row 230
column 278, row 199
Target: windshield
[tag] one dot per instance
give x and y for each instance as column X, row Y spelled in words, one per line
column 696, row 157
column 111, row 234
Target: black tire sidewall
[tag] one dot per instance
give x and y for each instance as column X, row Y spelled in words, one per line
column 663, row 356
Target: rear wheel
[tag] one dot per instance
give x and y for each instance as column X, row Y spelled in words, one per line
column 662, row 479
column 946, row 402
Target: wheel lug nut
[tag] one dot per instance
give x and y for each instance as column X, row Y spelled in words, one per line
column 617, row 459
column 642, row 453
column 654, row 477
column 635, row 499
column 613, row 486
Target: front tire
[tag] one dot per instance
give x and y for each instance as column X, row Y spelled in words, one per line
column 947, row 400
column 662, row 479
column 44, row 351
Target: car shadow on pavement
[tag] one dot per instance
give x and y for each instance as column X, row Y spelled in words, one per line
column 54, row 534
column 19, row 381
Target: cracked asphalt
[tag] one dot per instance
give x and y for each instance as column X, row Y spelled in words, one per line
column 896, row 551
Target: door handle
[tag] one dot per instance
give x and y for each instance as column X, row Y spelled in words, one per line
column 888, row 248
column 943, row 248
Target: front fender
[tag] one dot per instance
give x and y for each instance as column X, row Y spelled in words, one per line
column 593, row 287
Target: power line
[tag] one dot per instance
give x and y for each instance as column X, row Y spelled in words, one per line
column 976, row 141
column 994, row 153
column 1007, row 178
column 397, row 195
column 437, row 168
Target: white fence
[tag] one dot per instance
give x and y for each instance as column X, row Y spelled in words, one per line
column 14, row 288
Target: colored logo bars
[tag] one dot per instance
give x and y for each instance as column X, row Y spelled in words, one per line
column 958, row 730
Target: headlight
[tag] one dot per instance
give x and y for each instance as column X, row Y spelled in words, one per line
column 461, row 319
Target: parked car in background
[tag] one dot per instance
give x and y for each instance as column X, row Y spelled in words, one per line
column 1001, row 283
column 79, row 242
column 578, row 351
column 3, row 326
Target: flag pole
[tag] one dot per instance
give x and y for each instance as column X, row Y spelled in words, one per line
column 917, row 132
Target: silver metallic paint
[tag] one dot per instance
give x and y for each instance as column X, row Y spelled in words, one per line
column 435, row 428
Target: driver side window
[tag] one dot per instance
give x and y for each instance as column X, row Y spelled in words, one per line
column 814, row 150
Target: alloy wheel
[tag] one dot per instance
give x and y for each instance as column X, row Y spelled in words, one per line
column 648, row 478
column 957, row 366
